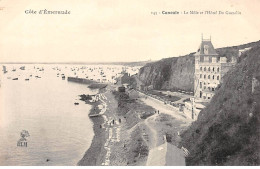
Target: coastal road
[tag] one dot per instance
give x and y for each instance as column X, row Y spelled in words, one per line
column 183, row 96
column 164, row 108
column 155, row 140
column 153, row 134
column 156, row 134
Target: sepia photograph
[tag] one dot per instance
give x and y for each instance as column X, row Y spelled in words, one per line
column 129, row 83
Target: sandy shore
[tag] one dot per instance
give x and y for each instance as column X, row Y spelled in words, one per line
column 93, row 156
column 129, row 129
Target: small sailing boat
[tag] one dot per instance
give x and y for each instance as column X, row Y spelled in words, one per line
column 22, row 68
column 4, row 69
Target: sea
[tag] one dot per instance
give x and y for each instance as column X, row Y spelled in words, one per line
column 43, row 103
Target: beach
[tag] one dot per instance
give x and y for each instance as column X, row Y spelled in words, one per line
column 129, row 128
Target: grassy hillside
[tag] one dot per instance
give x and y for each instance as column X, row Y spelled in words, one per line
column 233, row 50
column 227, row 131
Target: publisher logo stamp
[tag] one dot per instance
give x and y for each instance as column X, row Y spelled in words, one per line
column 22, row 142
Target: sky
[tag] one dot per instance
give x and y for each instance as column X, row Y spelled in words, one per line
column 120, row 30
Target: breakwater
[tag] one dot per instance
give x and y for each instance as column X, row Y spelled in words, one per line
column 92, row 84
column 80, row 80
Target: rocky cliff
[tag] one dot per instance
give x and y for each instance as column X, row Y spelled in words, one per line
column 170, row 73
column 178, row 72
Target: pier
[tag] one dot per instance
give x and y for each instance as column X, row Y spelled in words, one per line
column 80, row 80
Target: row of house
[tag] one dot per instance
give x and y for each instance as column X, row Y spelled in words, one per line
column 132, row 93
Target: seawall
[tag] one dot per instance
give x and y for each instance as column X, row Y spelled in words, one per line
column 81, row 80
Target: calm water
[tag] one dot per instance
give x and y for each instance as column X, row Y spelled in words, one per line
column 59, row 130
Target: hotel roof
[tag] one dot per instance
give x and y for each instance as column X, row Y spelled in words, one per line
column 206, row 43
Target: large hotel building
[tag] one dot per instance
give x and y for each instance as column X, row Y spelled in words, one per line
column 209, row 70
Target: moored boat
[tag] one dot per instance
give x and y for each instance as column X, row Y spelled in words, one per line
column 4, row 69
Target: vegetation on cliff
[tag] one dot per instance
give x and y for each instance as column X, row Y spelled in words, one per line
column 177, row 73
column 170, row 73
column 132, row 112
column 227, row 131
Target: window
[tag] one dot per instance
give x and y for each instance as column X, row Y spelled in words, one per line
column 201, row 68
column 208, row 97
column 213, row 89
column 200, row 85
column 204, row 87
column 200, row 75
column 213, row 69
column 209, row 88
column 204, row 76
column 218, row 69
column 213, row 77
column 206, row 49
column 208, row 76
column 205, row 68
column 217, row 77
column 209, row 69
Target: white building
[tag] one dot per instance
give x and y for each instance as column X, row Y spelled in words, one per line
column 209, row 70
